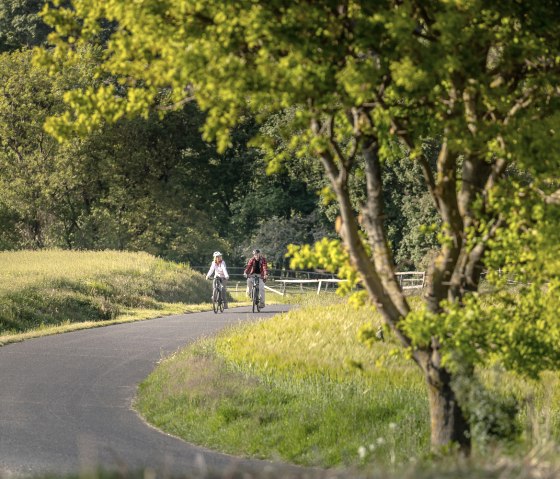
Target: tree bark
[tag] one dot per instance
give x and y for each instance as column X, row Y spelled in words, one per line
column 374, row 222
column 448, row 423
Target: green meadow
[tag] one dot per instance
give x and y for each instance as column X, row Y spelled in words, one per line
column 300, row 387
column 42, row 292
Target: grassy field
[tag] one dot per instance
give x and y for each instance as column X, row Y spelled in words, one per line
column 301, row 388
column 44, row 292
column 542, row 464
column 298, row 387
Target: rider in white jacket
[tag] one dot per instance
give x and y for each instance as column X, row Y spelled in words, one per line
column 218, row 268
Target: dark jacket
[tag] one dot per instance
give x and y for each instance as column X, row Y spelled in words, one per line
column 250, row 268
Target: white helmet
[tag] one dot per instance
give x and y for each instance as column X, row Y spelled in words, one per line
column 217, row 253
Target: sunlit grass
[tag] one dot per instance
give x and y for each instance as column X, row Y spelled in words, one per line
column 21, row 269
column 45, row 292
column 300, row 387
column 297, row 387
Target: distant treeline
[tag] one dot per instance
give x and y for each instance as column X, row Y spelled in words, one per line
column 154, row 184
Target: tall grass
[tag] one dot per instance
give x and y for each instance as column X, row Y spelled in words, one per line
column 39, row 289
column 298, row 387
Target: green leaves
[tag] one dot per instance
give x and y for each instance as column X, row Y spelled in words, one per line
column 481, row 78
column 325, row 254
column 516, row 328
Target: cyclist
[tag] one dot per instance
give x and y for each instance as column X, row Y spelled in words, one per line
column 256, row 265
column 218, row 267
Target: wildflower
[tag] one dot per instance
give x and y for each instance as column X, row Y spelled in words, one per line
column 362, row 452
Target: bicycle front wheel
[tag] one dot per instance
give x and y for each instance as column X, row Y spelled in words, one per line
column 215, row 302
column 256, row 299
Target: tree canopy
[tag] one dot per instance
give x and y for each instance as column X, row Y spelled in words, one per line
column 21, row 25
column 479, row 80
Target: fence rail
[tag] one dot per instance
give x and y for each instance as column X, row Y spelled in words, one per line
column 301, row 282
column 294, row 282
column 411, row 279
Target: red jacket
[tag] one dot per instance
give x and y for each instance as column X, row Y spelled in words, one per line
column 250, row 268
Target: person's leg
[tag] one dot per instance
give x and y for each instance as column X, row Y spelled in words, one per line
column 249, row 286
column 261, row 289
column 213, row 297
column 224, row 292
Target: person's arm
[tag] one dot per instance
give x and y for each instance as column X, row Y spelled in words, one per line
column 211, row 270
column 225, row 270
column 249, row 266
column 264, row 268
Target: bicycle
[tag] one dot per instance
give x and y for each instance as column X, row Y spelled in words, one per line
column 218, row 299
column 256, row 293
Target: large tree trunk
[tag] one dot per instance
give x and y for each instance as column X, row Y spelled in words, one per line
column 448, row 423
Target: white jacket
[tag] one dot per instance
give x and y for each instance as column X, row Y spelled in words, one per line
column 219, row 270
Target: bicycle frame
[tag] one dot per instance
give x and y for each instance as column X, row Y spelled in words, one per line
column 218, row 295
column 256, row 292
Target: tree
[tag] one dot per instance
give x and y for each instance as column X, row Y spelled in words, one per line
column 27, row 153
column 129, row 185
column 481, row 79
column 409, row 206
column 21, row 25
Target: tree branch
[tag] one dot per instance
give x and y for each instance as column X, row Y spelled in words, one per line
column 176, row 105
column 374, row 221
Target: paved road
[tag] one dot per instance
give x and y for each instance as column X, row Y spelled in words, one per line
column 65, row 400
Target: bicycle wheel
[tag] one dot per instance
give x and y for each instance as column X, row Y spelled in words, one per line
column 258, row 304
column 221, row 301
column 256, row 299
column 215, row 301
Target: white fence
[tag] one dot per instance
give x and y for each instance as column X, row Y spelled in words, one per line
column 301, row 282
column 411, row 279
column 408, row 280
column 294, row 282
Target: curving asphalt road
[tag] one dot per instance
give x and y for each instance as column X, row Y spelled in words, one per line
column 65, row 400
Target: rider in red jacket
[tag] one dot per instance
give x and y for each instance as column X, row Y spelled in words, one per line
column 256, row 265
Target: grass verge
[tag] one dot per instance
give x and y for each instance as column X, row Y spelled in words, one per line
column 298, row 388
column 49, row 292
column 301, row 388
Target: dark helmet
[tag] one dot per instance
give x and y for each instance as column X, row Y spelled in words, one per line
column 256, row 251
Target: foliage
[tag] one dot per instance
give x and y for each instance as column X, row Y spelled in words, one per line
column 411, row 217
column 481, row 80
column 27, row 155
column 20, row 24
column 326, row 254
column 137, row 184
column 274, row 234
column 409, row 207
